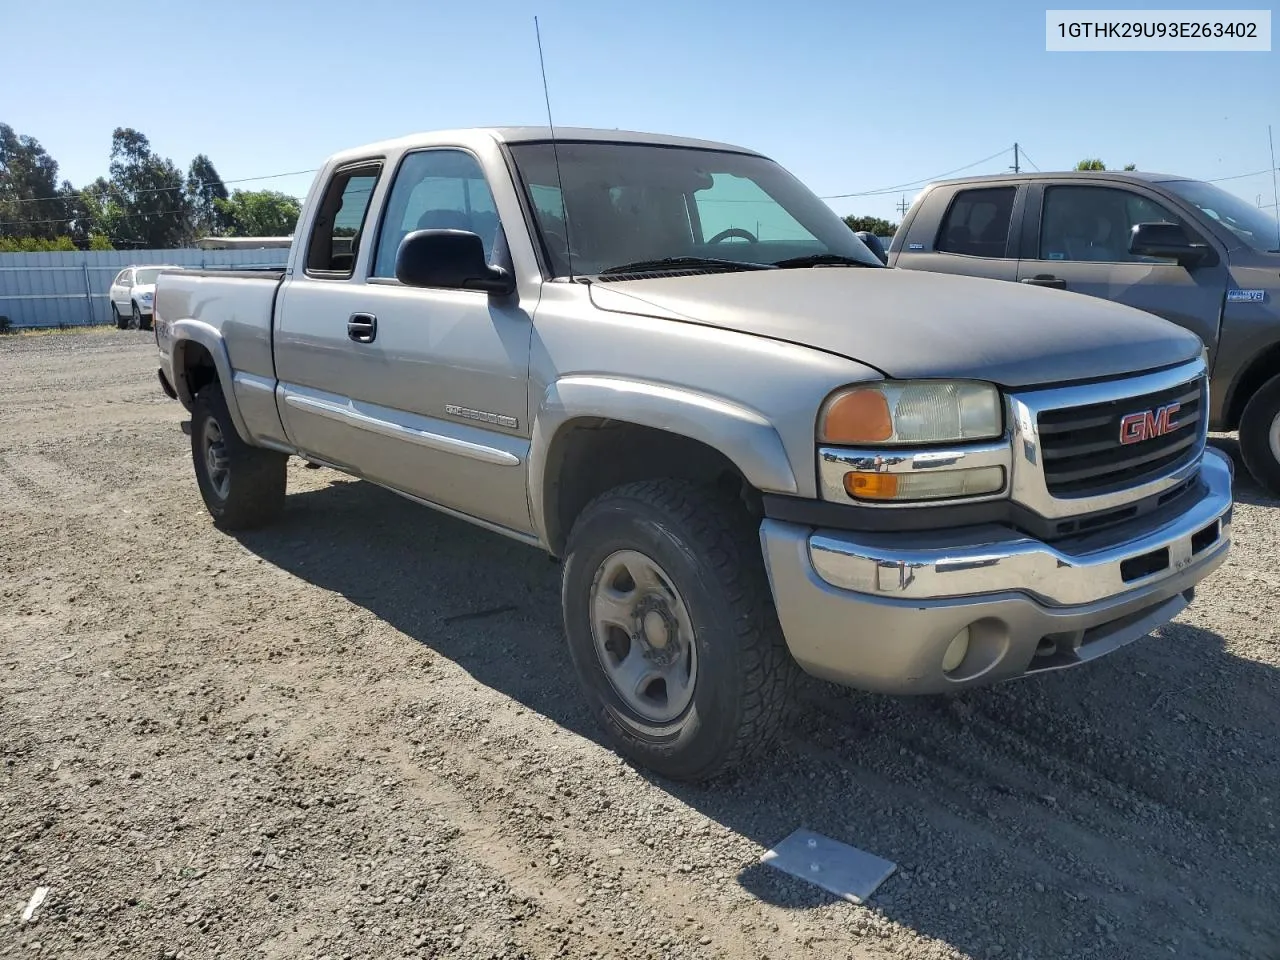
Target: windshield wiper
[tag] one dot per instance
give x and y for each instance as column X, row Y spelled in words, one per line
column 822, row 260
column 675, row 263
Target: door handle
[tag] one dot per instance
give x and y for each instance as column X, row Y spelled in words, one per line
column 1045, row 280
column 362, row 327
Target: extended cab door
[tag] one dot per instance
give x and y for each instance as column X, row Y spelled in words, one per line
column 969, row 230
column 1077, row 239
column 423, row 390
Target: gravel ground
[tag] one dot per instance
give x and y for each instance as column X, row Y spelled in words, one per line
column 356, row 735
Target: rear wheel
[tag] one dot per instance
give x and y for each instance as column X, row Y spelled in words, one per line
column 1260, row 436
column 243, row 486
column 671, row 628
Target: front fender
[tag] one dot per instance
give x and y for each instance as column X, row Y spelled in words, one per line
column 743, row 435
column 181, row 334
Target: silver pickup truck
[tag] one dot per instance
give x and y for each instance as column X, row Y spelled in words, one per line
column 668, row 364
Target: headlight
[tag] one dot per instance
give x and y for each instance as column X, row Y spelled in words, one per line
column 912, row 412
column 147, row 297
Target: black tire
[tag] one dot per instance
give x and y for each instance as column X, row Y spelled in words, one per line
column 115, row 315
column 709, row 549
column 1259, row 436
column 135, row 318
column 252, row 492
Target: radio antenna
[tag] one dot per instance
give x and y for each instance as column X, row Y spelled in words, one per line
column 1271, row 143
column 555, row 152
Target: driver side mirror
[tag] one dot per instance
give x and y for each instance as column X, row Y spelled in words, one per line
column 1166, row 240
column 452, row 259
column 873, row 244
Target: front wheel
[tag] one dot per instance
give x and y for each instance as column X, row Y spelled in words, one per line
column 135, row 318
column 243, row 487
column 115, row 316
column 671, row 629
column 1260, row 436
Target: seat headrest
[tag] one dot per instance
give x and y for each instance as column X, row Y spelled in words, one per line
column 444, row 220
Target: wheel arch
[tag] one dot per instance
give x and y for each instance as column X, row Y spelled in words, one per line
column 199, row 356
column 1260, row 370
column 594, row 433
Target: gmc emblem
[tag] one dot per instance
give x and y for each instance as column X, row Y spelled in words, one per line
column 1149, row 424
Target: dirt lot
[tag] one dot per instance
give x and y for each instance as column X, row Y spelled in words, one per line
column 355, row 735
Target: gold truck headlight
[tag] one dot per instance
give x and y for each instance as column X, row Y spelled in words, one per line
column 912, row 412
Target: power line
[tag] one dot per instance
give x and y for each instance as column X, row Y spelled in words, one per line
column 1239, row 176
column 917, row 183
column 1029, row 160
column 265, row 176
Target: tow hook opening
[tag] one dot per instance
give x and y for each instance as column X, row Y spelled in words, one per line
column 1206, row 537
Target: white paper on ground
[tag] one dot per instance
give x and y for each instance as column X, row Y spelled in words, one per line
column 37, row 898
column 838, row 868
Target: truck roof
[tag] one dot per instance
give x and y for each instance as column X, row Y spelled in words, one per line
column 1136, row 176
column 473, row 136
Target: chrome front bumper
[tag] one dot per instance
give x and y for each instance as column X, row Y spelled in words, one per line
column 877, row 611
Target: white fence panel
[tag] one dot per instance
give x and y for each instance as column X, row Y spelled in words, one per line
column 69, row 288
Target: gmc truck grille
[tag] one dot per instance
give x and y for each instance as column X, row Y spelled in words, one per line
column 1109, row 446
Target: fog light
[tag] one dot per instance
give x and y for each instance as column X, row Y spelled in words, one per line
column 956, row 651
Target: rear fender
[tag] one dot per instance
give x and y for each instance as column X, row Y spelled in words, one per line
column 184, row 333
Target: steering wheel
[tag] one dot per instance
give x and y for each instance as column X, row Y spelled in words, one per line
column 735, row 232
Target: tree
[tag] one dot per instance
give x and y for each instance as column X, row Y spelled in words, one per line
column 259, row 213
column 29, row 203
column 1095, row 164
column 874, row 225
column 204, row 189
column 148, row 194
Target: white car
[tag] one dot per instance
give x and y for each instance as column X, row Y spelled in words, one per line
column 132, row 293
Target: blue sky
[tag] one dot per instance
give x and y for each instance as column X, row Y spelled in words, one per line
column 851, row 96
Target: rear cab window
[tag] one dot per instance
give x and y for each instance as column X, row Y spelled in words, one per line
column 334, row 243
column 977, row 223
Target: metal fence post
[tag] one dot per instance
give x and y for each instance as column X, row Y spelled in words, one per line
column 88, row 293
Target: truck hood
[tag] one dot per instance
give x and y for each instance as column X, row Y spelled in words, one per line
column 907, row 323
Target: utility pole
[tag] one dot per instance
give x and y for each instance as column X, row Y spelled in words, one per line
column 1017, row 167
column 903, row 206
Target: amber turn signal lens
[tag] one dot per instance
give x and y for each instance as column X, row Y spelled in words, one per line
column 859, row 416
column 871, row 486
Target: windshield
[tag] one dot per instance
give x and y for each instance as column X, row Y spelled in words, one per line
column 148, row 275
column 1251, row 224
column 631, row 203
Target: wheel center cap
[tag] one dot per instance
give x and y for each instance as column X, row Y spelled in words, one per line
column 655, row 630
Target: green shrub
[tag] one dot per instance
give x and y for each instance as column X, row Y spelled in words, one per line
column 34, row 244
